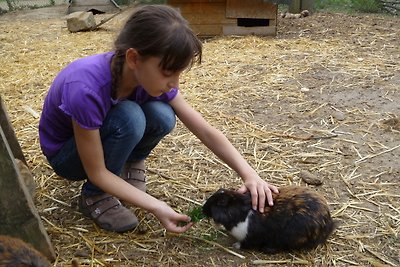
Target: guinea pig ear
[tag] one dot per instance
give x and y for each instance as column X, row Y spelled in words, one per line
column 221, row 191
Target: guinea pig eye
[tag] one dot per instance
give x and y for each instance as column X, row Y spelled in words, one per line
column 223, row 201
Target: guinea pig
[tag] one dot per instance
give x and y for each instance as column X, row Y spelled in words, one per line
column 298, row 220
column 16, row 253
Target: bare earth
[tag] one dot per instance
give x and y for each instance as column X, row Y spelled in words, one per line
column 323, row 97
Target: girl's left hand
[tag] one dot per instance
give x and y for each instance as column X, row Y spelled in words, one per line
column 171, row 219
column 260, row 191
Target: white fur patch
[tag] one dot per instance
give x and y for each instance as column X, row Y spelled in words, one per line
column 240, row 230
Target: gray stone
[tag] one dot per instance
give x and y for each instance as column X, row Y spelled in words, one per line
column 80, row 21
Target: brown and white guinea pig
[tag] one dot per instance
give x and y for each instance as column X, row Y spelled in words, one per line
column 16, row 253
column 299, row 219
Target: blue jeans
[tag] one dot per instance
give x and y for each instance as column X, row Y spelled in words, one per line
column 128, row 134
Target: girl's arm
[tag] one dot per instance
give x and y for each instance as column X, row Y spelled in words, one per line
column 216, row 141
column 90, row 150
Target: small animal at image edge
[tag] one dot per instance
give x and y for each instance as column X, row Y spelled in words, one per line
column 16, row 253
column 300, row 219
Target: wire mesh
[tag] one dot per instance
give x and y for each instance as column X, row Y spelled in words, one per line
column 10, row 5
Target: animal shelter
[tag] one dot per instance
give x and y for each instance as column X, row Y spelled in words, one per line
column 94, row 6
column 229, row 17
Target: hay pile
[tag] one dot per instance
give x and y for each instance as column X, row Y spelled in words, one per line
column 318, row 98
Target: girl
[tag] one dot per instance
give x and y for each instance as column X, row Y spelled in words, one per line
column 105, row 113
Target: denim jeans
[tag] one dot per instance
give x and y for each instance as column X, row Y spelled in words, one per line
column 128, row 134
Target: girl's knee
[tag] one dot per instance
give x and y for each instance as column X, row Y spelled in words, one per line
column 126, row 118
column 160, row 116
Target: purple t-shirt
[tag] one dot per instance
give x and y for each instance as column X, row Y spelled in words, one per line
column 82, row 92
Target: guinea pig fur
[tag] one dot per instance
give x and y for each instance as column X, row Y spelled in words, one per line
column 300, row 219
column 16, row 253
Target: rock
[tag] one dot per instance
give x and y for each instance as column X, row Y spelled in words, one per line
column 338, row 115
column 80, row 21
column 392, row 123
column 309, row 178
column 287, row 15
column 82, row 253
column 2, row 11
column 142, row 229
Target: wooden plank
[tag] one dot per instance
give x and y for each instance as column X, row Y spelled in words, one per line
column 91, row 3
column 273, row 22
column 207, row 30
column 18, row 215
column 101, row 5
column 205, row 18
column 198, row 19
column 173, row 2
column 255, row 9
column 9, row 133
column 202, row 8
column 262, row 31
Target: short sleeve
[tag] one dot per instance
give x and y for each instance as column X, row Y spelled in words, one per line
column 83, row 105
column 141, row 96
column 169, row 95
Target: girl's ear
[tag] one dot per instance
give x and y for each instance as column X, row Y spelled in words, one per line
column 131, row 58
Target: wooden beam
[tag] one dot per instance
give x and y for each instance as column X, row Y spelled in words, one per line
column 251, row 9
column 18, row 215
column 9, row 133
column 261, row 31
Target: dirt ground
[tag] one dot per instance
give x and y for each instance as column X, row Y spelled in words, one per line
column 322, row 96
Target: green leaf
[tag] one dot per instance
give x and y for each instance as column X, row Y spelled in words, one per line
column 195, row 214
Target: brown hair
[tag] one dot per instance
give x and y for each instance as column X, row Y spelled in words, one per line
column 160, row 31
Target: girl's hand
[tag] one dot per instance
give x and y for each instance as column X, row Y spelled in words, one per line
column 260, row 190
column 170, row 219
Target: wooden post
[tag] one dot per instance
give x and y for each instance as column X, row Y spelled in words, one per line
column 296, row 6
column 8, row 130
column 308, row 5
column 18, row 215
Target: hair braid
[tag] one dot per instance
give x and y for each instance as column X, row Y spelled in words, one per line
column 116, row 71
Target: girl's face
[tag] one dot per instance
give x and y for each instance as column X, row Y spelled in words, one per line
column 155, row 80
column 146, row 71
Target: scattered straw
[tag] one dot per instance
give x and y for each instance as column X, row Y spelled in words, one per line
column 321, row 97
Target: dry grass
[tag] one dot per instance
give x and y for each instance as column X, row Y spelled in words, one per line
column 320, row 97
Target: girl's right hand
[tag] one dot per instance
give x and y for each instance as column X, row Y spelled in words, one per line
column 171, row 219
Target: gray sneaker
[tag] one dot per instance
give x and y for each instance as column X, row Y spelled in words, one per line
column 108, row 213
column 134, row 173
